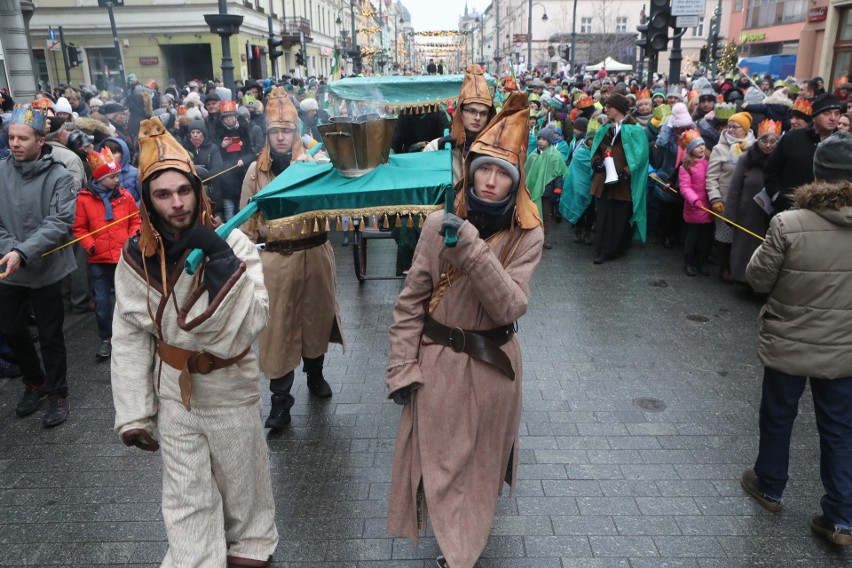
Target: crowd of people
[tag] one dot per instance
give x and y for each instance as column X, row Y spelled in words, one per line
column 140, row 178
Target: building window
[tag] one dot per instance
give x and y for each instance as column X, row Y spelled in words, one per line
column 766, row 13
column 585, row 25
column 738, row 6
column 621, row 24
column 698, row 31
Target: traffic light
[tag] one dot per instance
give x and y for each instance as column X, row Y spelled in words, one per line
column 274, row 45
column 658, row 25
column 568, row 53
column 702, row 56
column 300, row 58
column 642, row 40
column 75, row 55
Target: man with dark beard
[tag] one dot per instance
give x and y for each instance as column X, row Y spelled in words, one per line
column 299, row 271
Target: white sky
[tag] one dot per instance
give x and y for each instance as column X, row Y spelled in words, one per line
column 440, row 14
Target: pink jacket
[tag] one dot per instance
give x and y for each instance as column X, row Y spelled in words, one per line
column 693, row 188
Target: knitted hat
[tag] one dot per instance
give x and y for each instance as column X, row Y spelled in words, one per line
column 546, row 133
column 62, row 105
column 103, row 163
column 619, row 102
column 308, row 105
column 581, row 124
column 822, row 103
column 707, row 93
column 690, row 140
column 831, row 159
column 508, row 167
column 744, row 119
column 658, row 93
column 680, row 116
column 506, row 137
column 753, row 96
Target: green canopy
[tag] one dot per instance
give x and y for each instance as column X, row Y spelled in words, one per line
column 403, row 91
column 309, row 196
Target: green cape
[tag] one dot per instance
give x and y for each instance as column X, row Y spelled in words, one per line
column 541, row 169
column 635, row 144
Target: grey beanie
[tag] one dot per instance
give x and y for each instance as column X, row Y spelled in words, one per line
column 831, row 159
column 510, row 169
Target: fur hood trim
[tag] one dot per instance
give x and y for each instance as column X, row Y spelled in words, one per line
column 92, row 125
column 776, row 98
column 823, row 195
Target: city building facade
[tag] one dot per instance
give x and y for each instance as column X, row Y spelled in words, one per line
column 836, row 48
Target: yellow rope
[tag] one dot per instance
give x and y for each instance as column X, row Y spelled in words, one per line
column 725, row 219
column 220, row 173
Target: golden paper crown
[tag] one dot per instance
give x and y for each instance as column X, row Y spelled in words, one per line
column 43, row 103
column 103, row 163
column 769, row 126
column 643, row 94
column 688, row 137
column 228, row 107
column 803, row 106
column 28, row 116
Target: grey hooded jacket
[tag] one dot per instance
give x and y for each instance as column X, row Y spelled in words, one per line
column 37, row 206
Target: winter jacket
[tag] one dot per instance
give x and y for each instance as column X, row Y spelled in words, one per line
column 36, row 212
column 790, row 165
column 71, row 161
column 805, row 266
column 693, row 188
column 723, row 160
column 709, row 133
column 775, row 107
column 129, row 177
column 104, row 247
column 207, row 157
column 740, row 207
column 667, row 143
column 234, row 145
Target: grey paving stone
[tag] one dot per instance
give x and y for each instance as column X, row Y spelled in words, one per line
column 630, row 546
column 646, row 526
column 583, row 525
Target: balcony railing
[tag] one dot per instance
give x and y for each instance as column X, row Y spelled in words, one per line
column 292, row 28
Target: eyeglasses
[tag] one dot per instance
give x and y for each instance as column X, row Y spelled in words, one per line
column 768, row 141
column 735, row 126
column 473, row 113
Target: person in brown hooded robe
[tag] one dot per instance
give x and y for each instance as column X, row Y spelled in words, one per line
column 454, row 362
column 182, row 362
column 299, row 271
column 474, row 111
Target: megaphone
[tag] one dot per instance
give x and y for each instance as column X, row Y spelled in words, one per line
column 609, row 164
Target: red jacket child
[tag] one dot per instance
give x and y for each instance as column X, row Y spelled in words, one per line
column 103, row 202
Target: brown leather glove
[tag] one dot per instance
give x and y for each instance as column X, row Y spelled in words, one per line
column 141, row 439
column 718, row 207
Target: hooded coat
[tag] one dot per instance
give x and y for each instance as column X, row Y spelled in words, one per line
column 104, row 247
column 207, row 158
column 129, row 177
column 775, row 107
column 693, row 189
column 723, row 160
column 805, row 267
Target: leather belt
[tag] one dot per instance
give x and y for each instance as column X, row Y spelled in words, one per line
column 290, row 246
column 483, row 345
column 192, row 362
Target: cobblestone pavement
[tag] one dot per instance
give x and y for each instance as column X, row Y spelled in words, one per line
column 638, row 420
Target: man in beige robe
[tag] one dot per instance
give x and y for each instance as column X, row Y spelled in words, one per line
column 299, row 271
column 454, row 362
column 182, row 362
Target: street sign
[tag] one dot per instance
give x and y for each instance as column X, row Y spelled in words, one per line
column 51, row 35
column 53, row 45
column 520, row 38
column 686, row 21
column 688, row 7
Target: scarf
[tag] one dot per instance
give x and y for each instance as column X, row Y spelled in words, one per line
column 280, row 162
column 106, row 195
column 739, row 145
column 196, row 143
column 489, row 216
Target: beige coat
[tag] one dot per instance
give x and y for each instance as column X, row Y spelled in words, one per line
column 303, row 313
column 459, row 434
column 721, row 168
column 805, row 266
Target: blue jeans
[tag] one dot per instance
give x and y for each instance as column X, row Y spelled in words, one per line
column 103, row 281
column 779, row 406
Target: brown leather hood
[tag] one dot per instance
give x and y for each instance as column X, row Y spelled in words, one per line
column 474, row 90
column 280, row 113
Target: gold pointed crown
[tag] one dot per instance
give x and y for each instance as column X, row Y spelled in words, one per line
column 803, row 106
column 688, row 137
column 769, row 126
column 228, row 107
column 585, row 101
column 643, row 94
column 103, row 163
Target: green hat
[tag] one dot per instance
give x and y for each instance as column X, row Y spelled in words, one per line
column 658, row 93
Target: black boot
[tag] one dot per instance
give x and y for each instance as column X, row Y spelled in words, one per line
column 316, row 382
column 282, row 401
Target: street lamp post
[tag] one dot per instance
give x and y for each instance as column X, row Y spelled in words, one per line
column 225, row 25
column 574, row 40
column 529, row 32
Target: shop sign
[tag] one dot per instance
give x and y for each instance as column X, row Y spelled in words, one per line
column 152, row 60
column 326, row 51
column 746, row 37
column 818, row 14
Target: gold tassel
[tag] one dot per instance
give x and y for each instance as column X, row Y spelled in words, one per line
column 339, row 225
column 304, row 228
column 385, row 224
column 420, row 221
column 410, row 223
column 398, row 222
column 327, row 224
column 316, row 225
